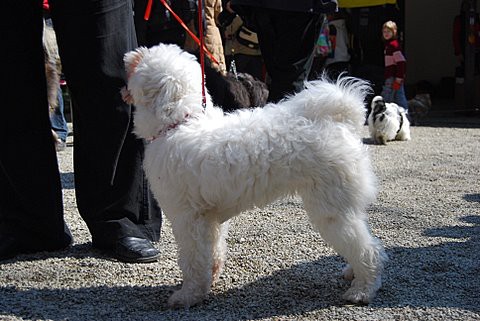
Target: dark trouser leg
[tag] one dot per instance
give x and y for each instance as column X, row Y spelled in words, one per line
column 335, row 69
column 286, row 41
column 111, row 190
column 252, row 65
column 30, row 191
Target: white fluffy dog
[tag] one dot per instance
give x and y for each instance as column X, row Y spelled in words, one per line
column 205, row 167
column 387, row 122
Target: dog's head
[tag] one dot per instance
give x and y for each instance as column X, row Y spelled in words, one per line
column 378, row 105
column 165, row 85
column 257, row 89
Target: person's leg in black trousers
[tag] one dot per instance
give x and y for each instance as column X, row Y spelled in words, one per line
column 31, row 210
column 286, row 40
column 111, row 190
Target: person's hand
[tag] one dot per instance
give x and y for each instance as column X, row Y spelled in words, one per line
column 397, row 84
column 126, row 95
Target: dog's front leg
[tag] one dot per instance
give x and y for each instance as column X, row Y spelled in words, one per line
column 219, row 251
column 196, row 238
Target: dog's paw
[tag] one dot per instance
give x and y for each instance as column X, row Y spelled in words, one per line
column 361, row 292
column 182, row 299
column 359, row 295
column 381, row 140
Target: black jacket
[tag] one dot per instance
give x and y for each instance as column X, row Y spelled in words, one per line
column 313, row 6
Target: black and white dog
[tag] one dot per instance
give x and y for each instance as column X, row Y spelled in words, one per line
column 387, row 122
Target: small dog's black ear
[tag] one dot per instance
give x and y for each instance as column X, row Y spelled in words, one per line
column 133, row 58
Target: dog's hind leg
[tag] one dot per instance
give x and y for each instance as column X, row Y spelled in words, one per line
column 349, row 235
column 197, row 240
column 404, row 134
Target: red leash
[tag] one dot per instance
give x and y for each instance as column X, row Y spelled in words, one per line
column 202, row 54
column 147, row 17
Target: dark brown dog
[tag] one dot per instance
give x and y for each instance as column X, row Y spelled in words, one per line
column 232, row 93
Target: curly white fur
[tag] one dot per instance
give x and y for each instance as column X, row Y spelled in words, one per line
column 205, row 167
column 387, row 122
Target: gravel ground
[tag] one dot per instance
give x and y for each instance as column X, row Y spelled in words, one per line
column 427, row 214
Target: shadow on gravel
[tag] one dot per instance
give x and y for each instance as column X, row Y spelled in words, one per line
column 68, row 181
column 472, row 198
column 451, row 122
column 77, row 251
column 443, row 275
column 90, row 303
column 440, row 276
column 302, row 288
column 368, row 141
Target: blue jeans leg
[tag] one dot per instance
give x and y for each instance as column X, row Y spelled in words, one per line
column 57, row 118
column 394, row 96
column 401, row 98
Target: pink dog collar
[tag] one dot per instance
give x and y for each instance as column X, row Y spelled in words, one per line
column 164, row 132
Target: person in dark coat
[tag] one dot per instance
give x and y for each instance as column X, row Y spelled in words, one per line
column 111, row 189
column 287, row 31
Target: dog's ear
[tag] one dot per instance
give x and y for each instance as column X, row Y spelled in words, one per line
column 133, row 58
column 380, row 107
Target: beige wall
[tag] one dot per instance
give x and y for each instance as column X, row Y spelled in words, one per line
column 428, row 39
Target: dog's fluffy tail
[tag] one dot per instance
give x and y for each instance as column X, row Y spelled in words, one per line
column 339, row 101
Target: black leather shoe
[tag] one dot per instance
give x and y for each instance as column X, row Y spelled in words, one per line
column 135, row 250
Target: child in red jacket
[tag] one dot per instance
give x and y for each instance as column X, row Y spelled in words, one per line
column 395, row 67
